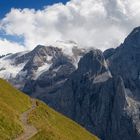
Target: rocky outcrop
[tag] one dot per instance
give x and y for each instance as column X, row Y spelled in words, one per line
column 126, row 62
column 96, row 100
column 23, row 69
column 51, row 79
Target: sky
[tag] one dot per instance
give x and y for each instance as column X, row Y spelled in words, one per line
column 6, row 5
column 90, row 23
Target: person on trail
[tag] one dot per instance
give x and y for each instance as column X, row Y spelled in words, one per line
column 37, row 103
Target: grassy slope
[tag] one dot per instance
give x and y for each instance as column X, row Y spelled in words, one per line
column 54, row 126
column 12, row 104
column 51, row 125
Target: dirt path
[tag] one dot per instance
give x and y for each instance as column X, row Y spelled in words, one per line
column 29, row 130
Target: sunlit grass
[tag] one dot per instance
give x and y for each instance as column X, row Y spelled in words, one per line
column 54, row 126
column 12, row 103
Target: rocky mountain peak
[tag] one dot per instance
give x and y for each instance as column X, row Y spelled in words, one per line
column 133, row 39
column 43, row 50
column 93, row 62
column 41, row 55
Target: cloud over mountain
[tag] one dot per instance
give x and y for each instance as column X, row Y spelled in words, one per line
column 98, row 23
column 8, row 46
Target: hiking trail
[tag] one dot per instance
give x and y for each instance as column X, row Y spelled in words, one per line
column 29, row 130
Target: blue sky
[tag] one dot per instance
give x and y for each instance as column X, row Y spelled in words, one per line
column 6, row 5
column 100, row 24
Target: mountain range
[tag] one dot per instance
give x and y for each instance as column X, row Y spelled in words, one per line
column 99, row 90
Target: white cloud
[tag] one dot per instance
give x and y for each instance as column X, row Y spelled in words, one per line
column 98, row 23
column 9, row 47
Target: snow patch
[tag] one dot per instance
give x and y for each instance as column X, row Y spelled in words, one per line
column 14, row 56
column 66, row 46
column 8, row 70
column 76, row 61
column 105, row 64
column 56, row 69
column 102, row 77
column 49, row 58
column 42, row 69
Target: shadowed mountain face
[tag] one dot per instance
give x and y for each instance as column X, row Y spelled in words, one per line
column 99, row 101
column 125, row 62
column 101, row 92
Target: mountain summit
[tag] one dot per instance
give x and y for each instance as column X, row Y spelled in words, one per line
column 133, row 39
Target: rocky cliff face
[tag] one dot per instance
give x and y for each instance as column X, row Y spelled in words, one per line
column 126, row 62
column 97, row 100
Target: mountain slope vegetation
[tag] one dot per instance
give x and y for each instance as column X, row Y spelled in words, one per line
column 12, row 103
column 50, row 124
column 54, row 126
